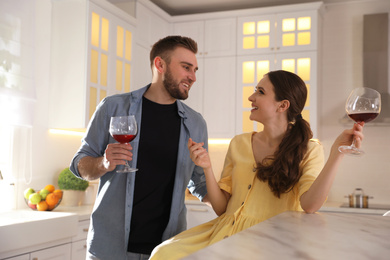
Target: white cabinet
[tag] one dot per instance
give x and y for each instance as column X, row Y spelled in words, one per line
column 216, row 77
column 150, row 26
column 90, row 58
column 198, row 213
column 54, row 253
column 284, row 32
column 61, row 252
column 79, row 244
column 278, row 41
column 215, row 38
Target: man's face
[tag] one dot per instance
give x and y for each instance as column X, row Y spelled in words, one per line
column 180, row 73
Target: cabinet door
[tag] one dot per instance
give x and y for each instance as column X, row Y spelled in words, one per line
column 219, row 101
column 296, row 31
column 256, row 34
column 54, row 253
column 79, row 250
column 220, row 37
column 194, row 30
column 20, row 257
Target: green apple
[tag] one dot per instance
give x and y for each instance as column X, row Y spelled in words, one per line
column 28, row 192
column 35, row 198
column 43, row 193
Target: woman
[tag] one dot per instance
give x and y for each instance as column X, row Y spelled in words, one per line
column 266, row 173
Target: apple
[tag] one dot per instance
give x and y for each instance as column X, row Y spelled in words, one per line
column 35, row 198
column 28, row 192
column 43, row 193
column 33, row 206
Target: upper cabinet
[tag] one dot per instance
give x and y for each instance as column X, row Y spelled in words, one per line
column 215, row 38
column 278, row 41
column 284, row 32
column 91, row 59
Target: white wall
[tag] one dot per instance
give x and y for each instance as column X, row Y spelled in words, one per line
column 341, row 72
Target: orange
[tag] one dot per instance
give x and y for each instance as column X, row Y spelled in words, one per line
column 58, row 193
column 50, row 188
column 52, row 199
column 42, row 206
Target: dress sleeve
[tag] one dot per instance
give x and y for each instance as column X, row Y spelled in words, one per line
column 311, row 166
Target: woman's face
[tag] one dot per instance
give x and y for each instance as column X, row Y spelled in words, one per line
column 264, row 105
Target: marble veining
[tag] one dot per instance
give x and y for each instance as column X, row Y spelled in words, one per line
column 296, row 235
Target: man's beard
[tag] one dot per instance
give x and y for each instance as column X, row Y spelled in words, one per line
column 172, row 87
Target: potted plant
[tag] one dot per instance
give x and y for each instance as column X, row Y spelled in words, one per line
column 73, row 188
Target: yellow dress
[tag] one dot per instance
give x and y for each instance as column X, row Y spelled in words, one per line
column 251, row 200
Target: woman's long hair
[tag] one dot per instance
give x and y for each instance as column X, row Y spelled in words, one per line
column 281, row 170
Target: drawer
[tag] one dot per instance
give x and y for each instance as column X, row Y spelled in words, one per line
column 82, row 231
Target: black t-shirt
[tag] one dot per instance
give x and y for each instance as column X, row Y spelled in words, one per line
column 157, row 158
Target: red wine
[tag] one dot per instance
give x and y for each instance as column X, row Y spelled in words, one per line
column 123, row 138
column 363, row 117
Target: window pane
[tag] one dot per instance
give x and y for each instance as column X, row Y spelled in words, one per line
column 103, row 70
column 248, row 42
column 307, row 104
column 263, row 27
column 128, row 46
column 103, row 94
column 248, row 28
column 119, row 68
column 94, row 66
column 288, row 25
column 248, row 72
column 127, row 77
column 262, row 68
column 304, row 38
column 105, row 33
column 95, row 26
column 119, row 41
column 288, row 39
column 306, row 115
column 304, row 23
column 263, row 41
column 289, row 65
column 303, row 68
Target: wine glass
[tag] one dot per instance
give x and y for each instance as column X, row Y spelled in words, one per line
column 363, row 105
column 124, row 129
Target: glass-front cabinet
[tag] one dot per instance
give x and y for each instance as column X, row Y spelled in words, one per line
column 277, row 41
column 91, row 59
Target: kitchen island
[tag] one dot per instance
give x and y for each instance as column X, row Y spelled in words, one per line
column 296, row 235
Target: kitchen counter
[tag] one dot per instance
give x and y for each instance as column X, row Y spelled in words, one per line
column 26, row 230
column 296, row 235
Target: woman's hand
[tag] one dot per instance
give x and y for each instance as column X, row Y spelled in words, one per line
column 198, row 154
column 348, row 135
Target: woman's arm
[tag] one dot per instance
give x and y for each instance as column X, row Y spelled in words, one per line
column 314, row 198
column 215, row 196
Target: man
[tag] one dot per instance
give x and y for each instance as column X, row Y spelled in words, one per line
column 136, row 211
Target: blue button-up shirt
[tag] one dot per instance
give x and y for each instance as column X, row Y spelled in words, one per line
column 110, row 220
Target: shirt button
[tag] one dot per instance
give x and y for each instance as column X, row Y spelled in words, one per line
column 225, row 237
column 242, row 203
column 233, row 223
column 249, row 186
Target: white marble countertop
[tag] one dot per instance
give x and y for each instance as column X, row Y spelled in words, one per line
column 296, row 235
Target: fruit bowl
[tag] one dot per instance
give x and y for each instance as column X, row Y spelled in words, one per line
column 47, row 202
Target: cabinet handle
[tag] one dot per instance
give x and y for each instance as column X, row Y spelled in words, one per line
column 35, row 258
column 85, row 229
column 197, row 210
column 85, row 246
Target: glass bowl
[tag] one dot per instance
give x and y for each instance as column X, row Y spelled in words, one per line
column 51, row 202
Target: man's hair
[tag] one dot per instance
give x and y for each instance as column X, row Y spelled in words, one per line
column 164, row 47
